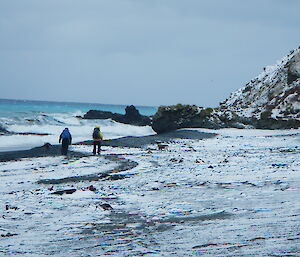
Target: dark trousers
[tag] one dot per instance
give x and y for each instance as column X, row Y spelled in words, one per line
column 97, row 144
column 64, row 146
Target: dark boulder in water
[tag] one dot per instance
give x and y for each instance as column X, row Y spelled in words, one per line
column 3, row 130
column 132, row 116
column 96, row 114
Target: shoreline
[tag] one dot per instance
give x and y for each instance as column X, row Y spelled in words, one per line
column 131, row 141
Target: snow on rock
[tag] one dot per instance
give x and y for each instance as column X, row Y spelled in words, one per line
column 274, row 93
column 269, row 101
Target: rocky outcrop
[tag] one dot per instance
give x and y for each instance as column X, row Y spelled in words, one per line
column 271, row 123
column 132, row 116
column 293, row 69
column 100, row 115
column 169, row 118
column 179, row 116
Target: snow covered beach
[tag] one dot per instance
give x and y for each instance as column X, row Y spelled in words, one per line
column 234, row 194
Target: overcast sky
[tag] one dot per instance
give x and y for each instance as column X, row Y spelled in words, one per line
column 142, row 52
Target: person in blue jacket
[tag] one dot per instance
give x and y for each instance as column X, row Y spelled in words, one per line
column 66, row 139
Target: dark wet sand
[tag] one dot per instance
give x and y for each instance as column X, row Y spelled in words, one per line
column 55, row 150
column 137, row 142
column 123, row 165
column 42, row 151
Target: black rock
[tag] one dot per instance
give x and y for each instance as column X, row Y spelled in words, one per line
column 66, row 191
column 8, row 207
column 132, row 113
column 47, row 145
column 116, row 177
column 92, row 188
column 203, row 246
column 169, row 118
column 132, row 116
column 270, row 123
column 3, row 130
column 95, row 114
column 293, row 72
column 8, row 235
column 106, row 206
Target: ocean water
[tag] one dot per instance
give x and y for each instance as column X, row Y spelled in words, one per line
column 23, row 116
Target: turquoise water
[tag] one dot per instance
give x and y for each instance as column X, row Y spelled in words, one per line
column 52, row 117
column 12, row 107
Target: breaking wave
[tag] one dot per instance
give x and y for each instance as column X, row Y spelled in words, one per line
column 51, row 125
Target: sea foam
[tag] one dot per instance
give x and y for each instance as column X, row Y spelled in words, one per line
column 28, row 117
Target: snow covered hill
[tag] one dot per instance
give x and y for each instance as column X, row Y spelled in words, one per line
column 269, row 101
column 273, row 94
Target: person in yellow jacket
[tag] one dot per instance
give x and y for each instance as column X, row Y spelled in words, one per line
column 97, row 138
